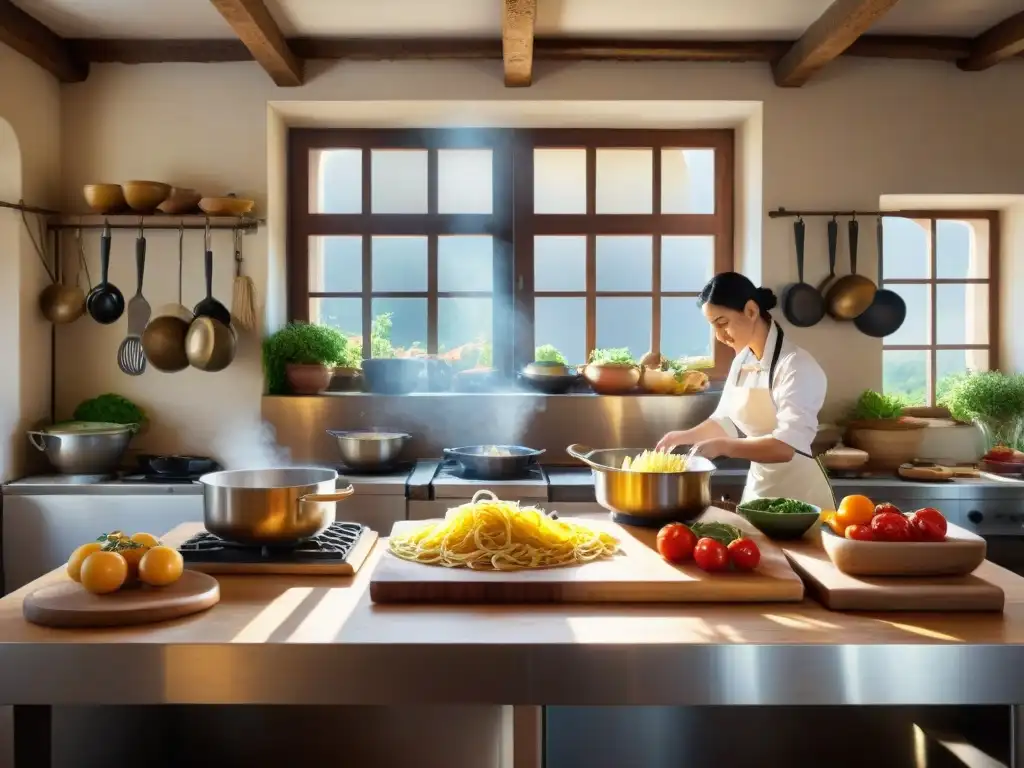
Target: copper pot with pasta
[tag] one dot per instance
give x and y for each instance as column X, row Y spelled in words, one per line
column 643, row 487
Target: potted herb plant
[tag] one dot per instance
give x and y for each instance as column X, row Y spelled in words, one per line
column 877, row 425
column 991, row 399
column 612, row 371
column 300, row 358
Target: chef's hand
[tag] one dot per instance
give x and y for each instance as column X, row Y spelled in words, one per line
column 710, row 449
column 671, row 440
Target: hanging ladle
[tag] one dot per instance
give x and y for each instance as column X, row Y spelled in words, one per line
column 105, row 303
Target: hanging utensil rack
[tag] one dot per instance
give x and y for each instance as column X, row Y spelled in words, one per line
column 57, row 221
column 784, row 213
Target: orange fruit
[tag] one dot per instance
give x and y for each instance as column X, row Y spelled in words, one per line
column 855, row 510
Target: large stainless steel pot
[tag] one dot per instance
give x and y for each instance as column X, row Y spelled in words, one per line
column 84, row 447
column 647, row 498
column 370, row 449
column 270, row 506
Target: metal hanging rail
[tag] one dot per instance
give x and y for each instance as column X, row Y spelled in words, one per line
column 782, row 213
column 246, row 224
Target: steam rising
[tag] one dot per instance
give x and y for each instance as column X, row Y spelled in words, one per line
column 250, row 446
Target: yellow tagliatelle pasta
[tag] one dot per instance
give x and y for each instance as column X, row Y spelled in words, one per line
column 494, row 535
column 655, row 461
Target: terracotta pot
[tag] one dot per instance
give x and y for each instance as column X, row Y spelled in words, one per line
column 888, row 446
column 308, row 379
column 612, row 378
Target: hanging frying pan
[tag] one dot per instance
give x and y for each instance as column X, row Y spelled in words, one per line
column 802, row 304
column 888, row 310
column 833, row 237
column 852, row 294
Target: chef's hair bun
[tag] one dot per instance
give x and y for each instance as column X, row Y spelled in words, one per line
column 766, row 299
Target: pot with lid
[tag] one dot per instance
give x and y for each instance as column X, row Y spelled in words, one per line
column 84, row 447
column 271, row 506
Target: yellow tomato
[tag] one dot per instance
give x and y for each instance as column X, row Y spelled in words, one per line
column 855, row 510
column 104, row 572
column 146, row 539
column 132, row 556
column 831, row 519
column 161, row 566
column 78, row 557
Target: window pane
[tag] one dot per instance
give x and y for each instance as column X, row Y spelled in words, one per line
column 335, row 264
column 916, row 329
column 952, row 362
column 336, row 181
column 624, row 263
column 625, row 181
column 559, row 263
column 687, row 181
column 961, row 249
column 464, row 332
column 398, row 181
column 963, row 314
column 465, row 263
column 687, row 263
column 399, row 264
column 464, row 181
column 399, row 327
column 559, row 181
column 685, row 331
column 624, row 322
column 905, row 373
column 905, row 242
column 562, row 323
column 344, row 314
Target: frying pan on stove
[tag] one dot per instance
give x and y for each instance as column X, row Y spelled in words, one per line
column 494, row 462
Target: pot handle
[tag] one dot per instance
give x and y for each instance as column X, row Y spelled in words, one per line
column 582, row 452
column 36, row 438
column 339, row 495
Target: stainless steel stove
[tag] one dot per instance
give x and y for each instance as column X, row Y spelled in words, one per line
column 436, row 486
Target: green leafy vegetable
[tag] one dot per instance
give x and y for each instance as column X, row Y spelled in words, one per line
column 686, row 364
column 305, row 344
column 991, row 399
column 619, row 355
column 110, row 408
column 778, row 506
column 874, row 405
column 721, row 532
column 546, row 353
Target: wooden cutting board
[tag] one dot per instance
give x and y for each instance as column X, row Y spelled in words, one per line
column 67, row 604
column 636, row 575
column 838, row 591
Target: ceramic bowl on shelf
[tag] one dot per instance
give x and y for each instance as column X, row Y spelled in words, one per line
column 104, row 198
column 958, row 555
column 226, row 206
column 180, row 201
column 145, row 196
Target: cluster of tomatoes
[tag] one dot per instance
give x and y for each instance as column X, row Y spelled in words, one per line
column 115, row 560
column 727, row 548
column 858, row 517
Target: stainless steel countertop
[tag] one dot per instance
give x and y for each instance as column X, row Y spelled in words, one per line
column 56, row 485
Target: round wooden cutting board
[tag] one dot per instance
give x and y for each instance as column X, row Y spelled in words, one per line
column 68, row 604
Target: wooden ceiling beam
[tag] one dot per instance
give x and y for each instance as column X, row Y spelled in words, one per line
column 517, row 25
column 1003, row 41
column 35, row 41
column 258, row 31
column 828, row 38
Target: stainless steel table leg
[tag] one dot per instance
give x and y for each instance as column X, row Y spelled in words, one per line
column 33, row 736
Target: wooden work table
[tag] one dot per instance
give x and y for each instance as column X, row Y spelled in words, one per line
column 319, row 640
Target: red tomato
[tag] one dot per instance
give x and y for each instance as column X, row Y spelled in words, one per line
column 859, row 532
column 744, row 554
column 887, row 507
column 928, row 524
column 676, row 543
column 711, row 555
column 1000, row 453
column 890, row 526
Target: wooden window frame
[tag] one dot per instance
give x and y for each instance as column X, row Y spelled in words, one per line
column 591, row 224
column 933, row 282
column 303, row 224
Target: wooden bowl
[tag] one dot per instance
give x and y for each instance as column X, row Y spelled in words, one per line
column 839, row 458
column 180, row 201
column 958, row 555
column 145, row 196
column 104, row 198
column 225, row 206
column 612, row 378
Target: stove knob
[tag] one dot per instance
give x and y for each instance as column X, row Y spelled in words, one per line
column 975, row 516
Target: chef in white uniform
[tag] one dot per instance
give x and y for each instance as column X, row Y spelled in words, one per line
column 768, row 413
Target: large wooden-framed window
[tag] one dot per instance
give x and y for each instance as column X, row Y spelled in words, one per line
column 616, row 233
column 402, row 239
column 481, row 245
column 944, row 264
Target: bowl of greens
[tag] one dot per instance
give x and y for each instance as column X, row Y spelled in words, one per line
column 780, row 518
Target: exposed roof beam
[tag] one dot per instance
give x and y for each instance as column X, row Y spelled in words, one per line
column 1003, row 41
column 37, row 42
column 827, row 38
column 517, row 41
column 257, row 29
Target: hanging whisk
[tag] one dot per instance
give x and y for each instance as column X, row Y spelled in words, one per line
column 243, row 297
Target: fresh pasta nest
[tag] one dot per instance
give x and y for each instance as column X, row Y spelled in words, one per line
column 655, row 461
column 494, row 535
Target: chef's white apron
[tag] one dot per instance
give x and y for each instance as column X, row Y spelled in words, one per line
column 753, row 412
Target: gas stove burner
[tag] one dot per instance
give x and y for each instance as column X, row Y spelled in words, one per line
column 157, row 479
column 452, row 468
column 402, row 468
column 332, row 546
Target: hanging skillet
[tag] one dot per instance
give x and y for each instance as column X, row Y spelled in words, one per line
column 802, row 304
column 833, row 241
column 852, row 293
column 888, row 310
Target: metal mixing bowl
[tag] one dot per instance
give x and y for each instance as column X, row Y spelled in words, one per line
column 370, row 449
column 84, row 448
